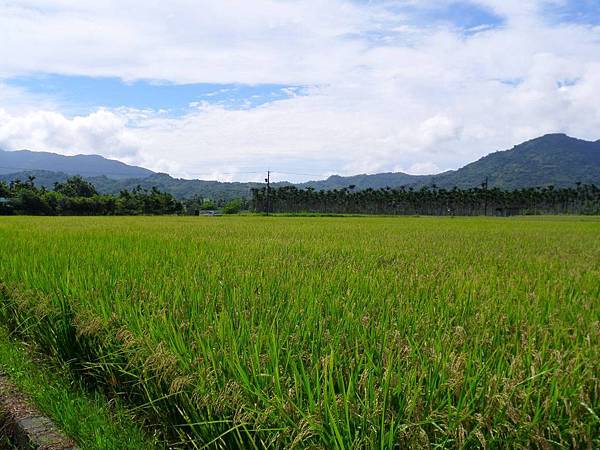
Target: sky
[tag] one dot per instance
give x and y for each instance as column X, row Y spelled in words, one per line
column 226, row 89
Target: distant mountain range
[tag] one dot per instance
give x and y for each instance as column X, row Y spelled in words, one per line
column 84, row 165
column 553, row 159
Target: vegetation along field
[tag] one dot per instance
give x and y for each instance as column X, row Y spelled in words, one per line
column 315, row 332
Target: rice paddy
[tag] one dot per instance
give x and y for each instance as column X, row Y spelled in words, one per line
column 320, row 332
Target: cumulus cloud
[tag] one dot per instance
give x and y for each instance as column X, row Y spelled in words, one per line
column 100, row 132
column 384, row 91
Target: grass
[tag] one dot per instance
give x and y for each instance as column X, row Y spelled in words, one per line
column 82, row 415
column 277, row 332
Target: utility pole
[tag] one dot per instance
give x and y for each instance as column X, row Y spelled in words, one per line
column 485, row 199
column 268, row 181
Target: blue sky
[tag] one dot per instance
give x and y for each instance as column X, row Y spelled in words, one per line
column 574, row 11
column 462, row 15
column 82, row 94
column 313, row 87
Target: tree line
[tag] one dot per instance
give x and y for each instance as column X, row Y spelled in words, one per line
column 77, row 196
column 430, row 200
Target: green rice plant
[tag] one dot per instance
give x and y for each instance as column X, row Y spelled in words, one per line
column 330, row 332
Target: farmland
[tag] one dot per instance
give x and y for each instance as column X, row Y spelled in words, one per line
column 320, row 332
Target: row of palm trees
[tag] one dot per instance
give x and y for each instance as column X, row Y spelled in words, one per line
column 430, row 200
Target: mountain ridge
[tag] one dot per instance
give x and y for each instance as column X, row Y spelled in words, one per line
column 552, row 159
column 84, row 165
column 493, row 167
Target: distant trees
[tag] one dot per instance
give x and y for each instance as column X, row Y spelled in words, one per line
column 233, row 206
column 4, row 191
column 198, row 205
column 208, row 205
column 579, row 199
column 142, row 201
column 76, row 187
column 77, row 196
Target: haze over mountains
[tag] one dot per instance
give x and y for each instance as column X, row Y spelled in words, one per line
column 554, row 159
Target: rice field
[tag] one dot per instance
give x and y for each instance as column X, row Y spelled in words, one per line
column 320, row 332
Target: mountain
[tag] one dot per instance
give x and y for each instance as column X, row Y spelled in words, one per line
column 180, row 188
column 43, row 178
column 377, row 181
column 84, row 165
column 553, row 159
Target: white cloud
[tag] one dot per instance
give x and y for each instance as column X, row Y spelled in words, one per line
column 182, row 40
column 427, row 97
column 100, row 132
column 422, row 168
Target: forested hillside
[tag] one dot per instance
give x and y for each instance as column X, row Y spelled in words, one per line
column 552, row 160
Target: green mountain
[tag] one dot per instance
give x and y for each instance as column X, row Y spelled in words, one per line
column 554, row 159
column 364, row 181
column 180, row 188
column 84, row 165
